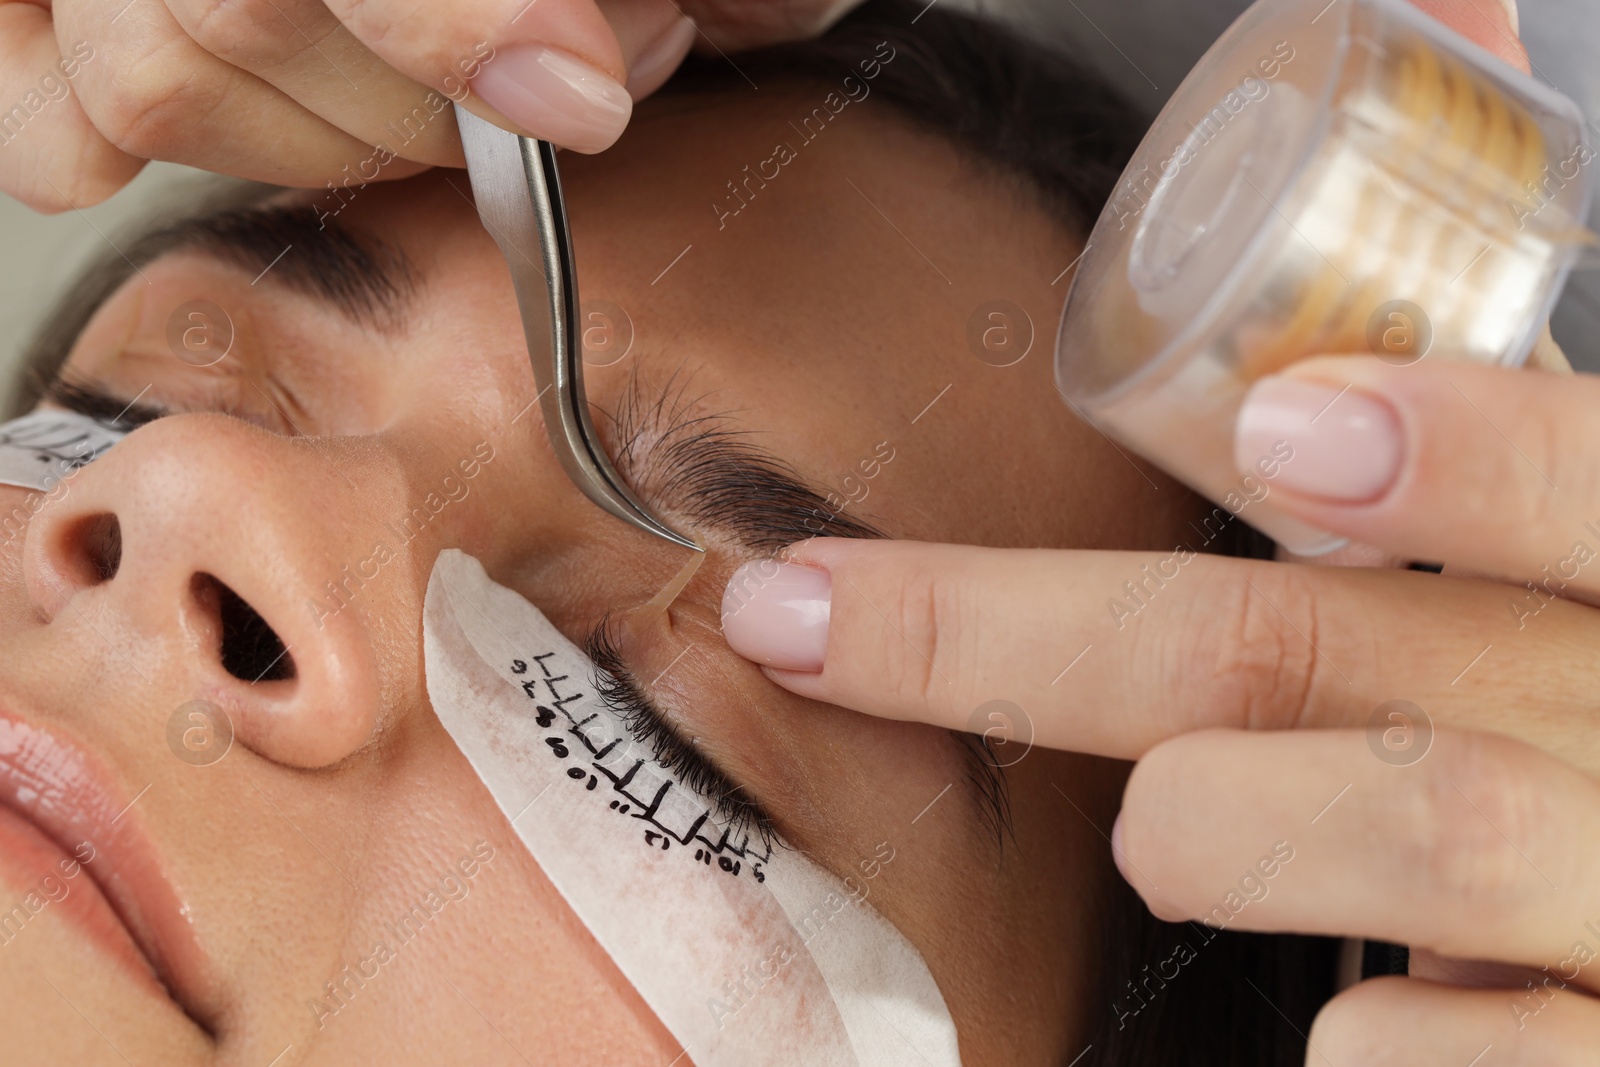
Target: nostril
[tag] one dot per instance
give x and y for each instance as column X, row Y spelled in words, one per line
column 90, row 550
column 102, row 545
column 251, row 650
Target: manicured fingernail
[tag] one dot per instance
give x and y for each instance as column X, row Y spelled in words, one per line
column 777, row 614
column 657, row 60
column 1344, row 445
column 556, row 96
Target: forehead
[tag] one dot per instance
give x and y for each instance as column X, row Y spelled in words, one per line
column 747, row 221
column 738, row 206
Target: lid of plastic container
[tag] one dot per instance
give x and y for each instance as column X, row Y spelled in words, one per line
column 1174, row 242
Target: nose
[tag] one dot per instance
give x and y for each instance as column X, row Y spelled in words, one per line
column 195, row 547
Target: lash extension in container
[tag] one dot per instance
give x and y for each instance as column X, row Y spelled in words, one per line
column 1335, row 178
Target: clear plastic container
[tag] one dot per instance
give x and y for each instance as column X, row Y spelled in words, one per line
column 1341, row 177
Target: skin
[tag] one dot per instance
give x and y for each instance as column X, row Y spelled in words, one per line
column 343, row 799
column 325, row 783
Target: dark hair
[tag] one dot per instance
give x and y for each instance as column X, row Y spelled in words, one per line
column 1018, row 109
column 1235, row 999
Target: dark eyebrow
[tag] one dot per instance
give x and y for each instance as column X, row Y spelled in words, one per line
column 359, row 275
column 362, row 277
column 709, row 470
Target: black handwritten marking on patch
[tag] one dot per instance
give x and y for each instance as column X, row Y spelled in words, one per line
column 642, row 789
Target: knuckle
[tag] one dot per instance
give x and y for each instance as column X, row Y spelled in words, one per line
column 1550, row 452
column 1517, row 490
column 1468, row 829
column 152, row 108
column 929, row 613
column 380, row 26
column 245, row 32
column 61, row 174
column 415, row 37
column 1258, row 647
column 915, row 614
column 36, row 195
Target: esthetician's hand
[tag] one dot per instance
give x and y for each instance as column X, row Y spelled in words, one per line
column 1426, row 745
column 294, row 91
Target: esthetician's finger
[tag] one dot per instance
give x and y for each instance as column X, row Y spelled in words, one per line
column 300, row 48
column 1492, row 24
column 557, row 71
column 1402, row 1022
column 153, row 92
column 1491, row 470
column 51, row 156
column 1112, row 652
column 1478, row 850
column 654, row 35
column 735, row 24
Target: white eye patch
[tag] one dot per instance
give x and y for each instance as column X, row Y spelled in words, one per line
column 749, row 954
column 38, row 450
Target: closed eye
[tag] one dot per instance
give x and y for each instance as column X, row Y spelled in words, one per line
column 97, row 402
column 87, row 398
column 680, row 756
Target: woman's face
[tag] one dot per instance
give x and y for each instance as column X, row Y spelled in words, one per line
column 387, row 401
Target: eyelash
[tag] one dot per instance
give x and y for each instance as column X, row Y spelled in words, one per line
column 89, row 398
column 621, row 691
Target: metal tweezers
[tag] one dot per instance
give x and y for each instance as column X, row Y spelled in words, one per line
column 518, row 193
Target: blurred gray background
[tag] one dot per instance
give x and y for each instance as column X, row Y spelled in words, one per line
column 1145, row 46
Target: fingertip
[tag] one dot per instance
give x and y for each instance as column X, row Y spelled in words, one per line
column 53, row 180
column 776, row 614
column 554, row 95
column 1338, row 444
column 802, row 683
column 656, row 61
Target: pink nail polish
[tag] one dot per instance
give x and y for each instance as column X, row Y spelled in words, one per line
column 1347, row 444
column 777, row 614
column 555, row 96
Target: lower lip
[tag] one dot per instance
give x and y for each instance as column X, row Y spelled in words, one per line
column 34, row 872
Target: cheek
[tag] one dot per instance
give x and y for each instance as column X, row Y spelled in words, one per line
column 510, row 943
column 549, row 958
